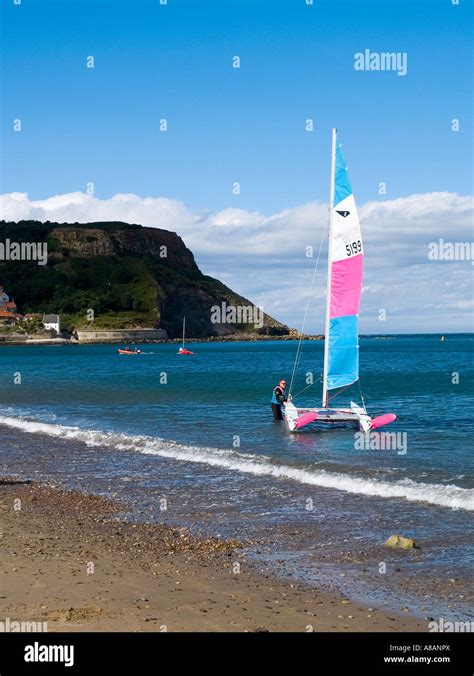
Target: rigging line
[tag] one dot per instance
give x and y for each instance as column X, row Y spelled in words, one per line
column 340, row 391
column 300, row 341
column 303, row 390
column 319, row 380
column 361, row 395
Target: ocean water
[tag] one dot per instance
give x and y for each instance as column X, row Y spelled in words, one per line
column 191, row 440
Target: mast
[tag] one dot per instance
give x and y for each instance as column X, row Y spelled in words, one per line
column 184, row 328
column 328, row 287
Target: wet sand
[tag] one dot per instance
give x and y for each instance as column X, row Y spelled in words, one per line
column 71, row 560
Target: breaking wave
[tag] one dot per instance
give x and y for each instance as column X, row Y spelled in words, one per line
column 436, row 494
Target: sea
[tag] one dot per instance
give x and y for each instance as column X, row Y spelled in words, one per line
column 190, row 441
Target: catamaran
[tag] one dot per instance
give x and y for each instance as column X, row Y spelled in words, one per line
column 343, row 292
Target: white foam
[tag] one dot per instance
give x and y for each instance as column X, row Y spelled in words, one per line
column 436, row 494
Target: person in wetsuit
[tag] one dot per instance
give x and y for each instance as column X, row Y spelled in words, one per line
column 278, row 400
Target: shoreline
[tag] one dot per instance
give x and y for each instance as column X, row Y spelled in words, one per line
column 40, row 341
column 253, row 338
column 73, row 560
column 172, row 341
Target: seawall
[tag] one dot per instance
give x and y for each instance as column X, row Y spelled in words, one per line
column 121, row 336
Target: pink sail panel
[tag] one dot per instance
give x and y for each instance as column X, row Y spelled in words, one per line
column 346, row 286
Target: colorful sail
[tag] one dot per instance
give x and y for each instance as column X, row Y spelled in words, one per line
column 346, row 260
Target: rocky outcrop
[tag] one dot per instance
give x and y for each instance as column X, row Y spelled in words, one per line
column 130, row 277
column 401, row 542
column 94, row 240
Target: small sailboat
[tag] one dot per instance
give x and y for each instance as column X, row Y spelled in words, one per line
column 183, row 349
column 344, row 289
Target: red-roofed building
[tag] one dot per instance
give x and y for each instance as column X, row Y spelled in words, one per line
column 8, row 309
column 7, row 317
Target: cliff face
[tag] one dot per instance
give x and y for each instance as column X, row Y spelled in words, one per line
column 91, row 241
column 128, row 275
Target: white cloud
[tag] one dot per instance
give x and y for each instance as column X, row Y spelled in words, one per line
column 159, row 212
column 264, row 256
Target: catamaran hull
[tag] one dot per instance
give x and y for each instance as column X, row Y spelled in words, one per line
column 318, row 418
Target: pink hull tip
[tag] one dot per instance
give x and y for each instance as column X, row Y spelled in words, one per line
column 382, row 420
column 305, row 419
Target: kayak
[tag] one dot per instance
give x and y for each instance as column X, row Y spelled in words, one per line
column 183, row 350
column 129, row 351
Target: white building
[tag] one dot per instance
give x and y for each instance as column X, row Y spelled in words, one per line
column 51, row 322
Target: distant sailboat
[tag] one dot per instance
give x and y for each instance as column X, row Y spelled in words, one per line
column 344, row 289
column 183, row 349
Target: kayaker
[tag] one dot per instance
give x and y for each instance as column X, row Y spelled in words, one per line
column 278, row 400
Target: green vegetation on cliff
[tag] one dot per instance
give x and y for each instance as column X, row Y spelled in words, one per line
column 128, row 275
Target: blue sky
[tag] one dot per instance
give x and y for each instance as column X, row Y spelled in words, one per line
column 101, row 125
column 226, row 125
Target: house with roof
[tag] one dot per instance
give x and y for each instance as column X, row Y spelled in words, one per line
column 7, row 317
column 8, row 309
column 52, row 323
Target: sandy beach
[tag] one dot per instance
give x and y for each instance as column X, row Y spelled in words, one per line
column 71, row 560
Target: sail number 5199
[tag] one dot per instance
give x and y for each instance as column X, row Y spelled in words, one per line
column 354, row 248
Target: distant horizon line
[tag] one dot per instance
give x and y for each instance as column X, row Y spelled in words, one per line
column 418, row 333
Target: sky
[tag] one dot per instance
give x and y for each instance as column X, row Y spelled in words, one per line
column 247, row 125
